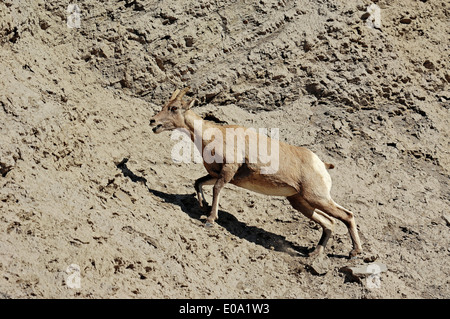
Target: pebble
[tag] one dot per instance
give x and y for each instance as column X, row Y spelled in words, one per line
column 319, row 266
column 405, row 20
column 428, row 64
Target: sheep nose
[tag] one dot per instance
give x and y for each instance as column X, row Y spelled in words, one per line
column 152, row 122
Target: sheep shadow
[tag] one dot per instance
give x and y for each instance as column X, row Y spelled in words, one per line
column 189, row 205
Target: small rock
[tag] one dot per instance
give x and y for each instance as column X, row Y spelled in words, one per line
column 189, row 41
column 428, row 64
column 315, row 89
column 319, row 266
column 405, row 21
column 337, row 124
column 127, row 199
column 365, row 16
column 370, row 259
column 6, row 164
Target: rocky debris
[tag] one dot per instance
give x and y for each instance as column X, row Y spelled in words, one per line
column 320, row 265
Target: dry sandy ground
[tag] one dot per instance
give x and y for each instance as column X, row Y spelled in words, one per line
column 84, row 181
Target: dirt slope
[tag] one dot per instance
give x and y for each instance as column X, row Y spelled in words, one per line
column 84, row 181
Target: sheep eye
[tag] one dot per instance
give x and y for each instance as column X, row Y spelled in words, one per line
column 174, row 108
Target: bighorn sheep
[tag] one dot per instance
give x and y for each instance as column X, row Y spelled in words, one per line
column 300, row 176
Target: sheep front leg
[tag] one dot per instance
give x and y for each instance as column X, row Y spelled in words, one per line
column 225, row 176
column 205, row 180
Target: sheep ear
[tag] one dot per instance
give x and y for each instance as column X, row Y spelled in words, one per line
column 174, row 95
column 190, row 104
column 182, row 93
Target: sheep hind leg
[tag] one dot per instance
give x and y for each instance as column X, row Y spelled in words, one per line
column 331, row 208
column 319, row 217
